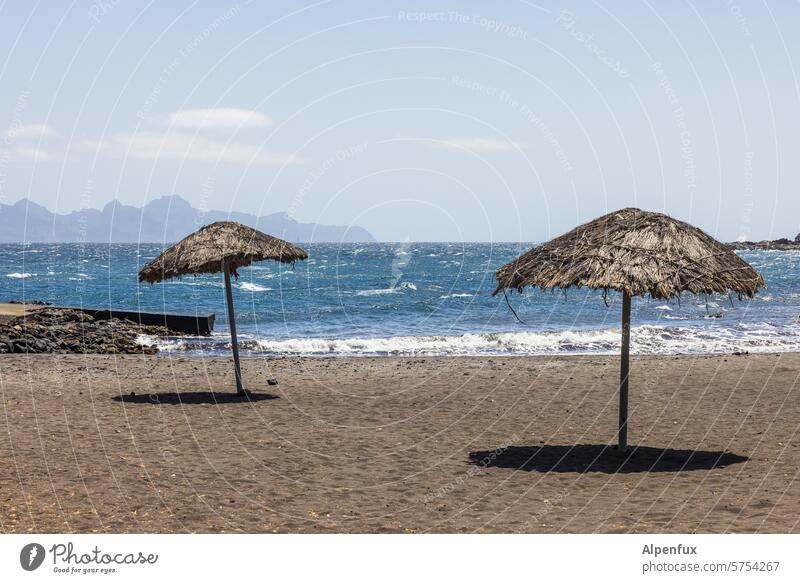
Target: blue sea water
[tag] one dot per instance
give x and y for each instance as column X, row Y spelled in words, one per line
column 406, row 298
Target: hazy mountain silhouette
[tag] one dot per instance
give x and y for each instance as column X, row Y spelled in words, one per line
column 165, row 219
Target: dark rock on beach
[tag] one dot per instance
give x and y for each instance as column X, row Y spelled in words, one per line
column 58, row 330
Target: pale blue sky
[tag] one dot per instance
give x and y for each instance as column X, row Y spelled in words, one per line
column 471, row 121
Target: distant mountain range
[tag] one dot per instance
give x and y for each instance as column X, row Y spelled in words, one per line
column 165, row 219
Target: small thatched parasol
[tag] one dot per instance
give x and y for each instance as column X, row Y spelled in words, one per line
column 637, row 253
column 222, row 246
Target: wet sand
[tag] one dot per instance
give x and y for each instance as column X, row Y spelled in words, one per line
column 398, row 445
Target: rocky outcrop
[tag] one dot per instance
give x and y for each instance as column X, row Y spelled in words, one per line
column 58, row 330
column 782, row 244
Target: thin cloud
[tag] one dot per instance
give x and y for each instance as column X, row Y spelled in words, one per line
column 28, row 152
column 480, row 144
column 223, row 117
column 29, row 132
column 180, row 146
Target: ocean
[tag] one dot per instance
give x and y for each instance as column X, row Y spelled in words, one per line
column 407, row 299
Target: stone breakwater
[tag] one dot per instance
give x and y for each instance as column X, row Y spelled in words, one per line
column 56, row 330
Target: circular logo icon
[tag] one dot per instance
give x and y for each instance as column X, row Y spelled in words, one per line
column 31, row 556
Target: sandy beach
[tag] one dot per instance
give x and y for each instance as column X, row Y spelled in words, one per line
column 398, row 445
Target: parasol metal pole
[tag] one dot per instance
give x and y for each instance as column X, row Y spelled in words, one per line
column 624, row 371
column 232, row 326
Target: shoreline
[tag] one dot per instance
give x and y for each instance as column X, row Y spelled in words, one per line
column 647, row 339
column 34, row 328
column 398, row 444
column 251, row 356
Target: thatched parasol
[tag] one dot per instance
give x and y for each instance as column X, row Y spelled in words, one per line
column 637, row 253
column 222, row 246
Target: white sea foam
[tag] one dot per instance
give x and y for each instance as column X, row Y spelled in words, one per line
column 645, row 340
column 145, row 339
column 448, row 296
column 377, row 292
column 17, row 275
column 163, row 344
column 467, row 344
column 406, row 285
column 253, row 287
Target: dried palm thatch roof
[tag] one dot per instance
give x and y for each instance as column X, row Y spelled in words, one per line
column 228, row 242
column 637, row 252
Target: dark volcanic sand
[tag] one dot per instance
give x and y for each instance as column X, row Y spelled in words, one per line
column 398, row 445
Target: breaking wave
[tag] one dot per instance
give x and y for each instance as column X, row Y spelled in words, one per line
column 645, row 340
column 388, row 290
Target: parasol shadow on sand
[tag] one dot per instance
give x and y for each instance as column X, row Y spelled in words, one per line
column 637, row 253
column 222, row 246
column 193, row 398
column 603, row 459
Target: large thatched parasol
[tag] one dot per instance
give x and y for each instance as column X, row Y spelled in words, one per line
column 637, row 253
column 222, row 246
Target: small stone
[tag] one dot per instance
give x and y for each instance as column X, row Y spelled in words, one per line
column 272, row 382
